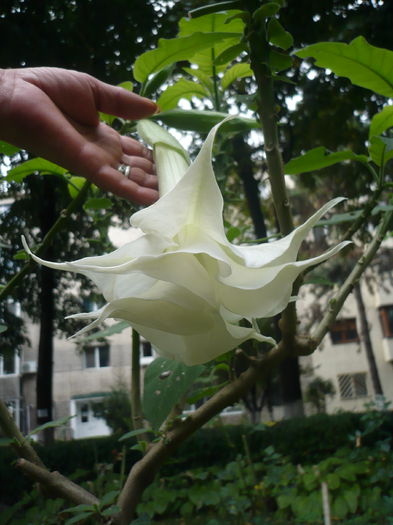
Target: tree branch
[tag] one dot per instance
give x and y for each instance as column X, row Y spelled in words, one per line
column 57, row 484
column 337, row 302
column 19, row 443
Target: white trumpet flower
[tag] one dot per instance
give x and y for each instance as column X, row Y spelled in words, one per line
column 181, row 284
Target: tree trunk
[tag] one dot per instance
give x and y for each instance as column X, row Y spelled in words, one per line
column 365, row 338
column 289, row 370
column 45, row 345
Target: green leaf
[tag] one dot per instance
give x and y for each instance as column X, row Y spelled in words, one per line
column 156, row 81
column 203, row 121
column 333, row 481
column 203, row 78
column 173, row 50
column 318, row 158
column 83, row 507
column 79, row 518
column 339, row 507
column 50, row 424
column 111, row 511
column 134, row 433
column 339, row 218
column 21, row 255
column 365, row 65
column 183, row 89
column 160, row 393
column 212, row 22
column 32, row 166
column 230, row 54
column 279, row 61
column 266, row 10
column 381, row 121
column 116, row 328
column 128, row 85
column 3, row 328
column 351, row 497
column 97, row 203
column 109, row 498
column 381, row 150
column 75, row 184
column 234, row 73
column 205, row 392
column 278, row 36
column 7, row 149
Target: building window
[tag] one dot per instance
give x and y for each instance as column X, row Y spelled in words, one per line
column 344, row 331
column 386, row 316
column 146, row 352
column 8, row 364
column 352, row 386
column 97, row 356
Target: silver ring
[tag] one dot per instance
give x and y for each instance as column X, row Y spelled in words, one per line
column 124, row 169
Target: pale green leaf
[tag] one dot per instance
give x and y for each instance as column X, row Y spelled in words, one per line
column 75, row 184
column 203, row 78
column 3, row 328
column 212, row 22
column 173, row 50
column 203, row 121
column 318, row 158
column 206, row 58
column 162, row 392
column 32, row 166
column 234, row 73
column 278, row 36
column 51, row 424
column 381, row 150
column 183, row 89
column 7, row 149
column 339, row 218
column 133, row 433
column 381, row 121
column 365, row 65
column 128, row 85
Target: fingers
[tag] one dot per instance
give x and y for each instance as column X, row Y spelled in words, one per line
column 133, row 147
column 121, row 102
column 112, row 180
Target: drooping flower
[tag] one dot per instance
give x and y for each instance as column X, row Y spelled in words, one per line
column 181, row 284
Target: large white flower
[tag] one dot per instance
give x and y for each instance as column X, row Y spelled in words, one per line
column 181, row 284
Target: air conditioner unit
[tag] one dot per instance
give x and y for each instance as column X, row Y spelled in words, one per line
column 29, row 367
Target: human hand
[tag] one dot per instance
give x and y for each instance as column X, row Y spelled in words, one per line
column 53, row 113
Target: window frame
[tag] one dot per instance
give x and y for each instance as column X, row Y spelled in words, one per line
column 386, row 323
column 16, row 366
column 96, row 349
column 348, row 324
column 353, row 386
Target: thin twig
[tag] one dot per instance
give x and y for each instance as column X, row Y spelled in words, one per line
column 337, row 302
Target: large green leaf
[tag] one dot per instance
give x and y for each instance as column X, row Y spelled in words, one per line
column 173, row 50
column 31, row 166
column 234, row 73
column 183, row 89
column 203, row 121
column 381, row 121
column 381, row 150
column 365, row 65
column 165, row 383
column 278, row 36
column 206, row 57
column 212, row 22
column 318, row 158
